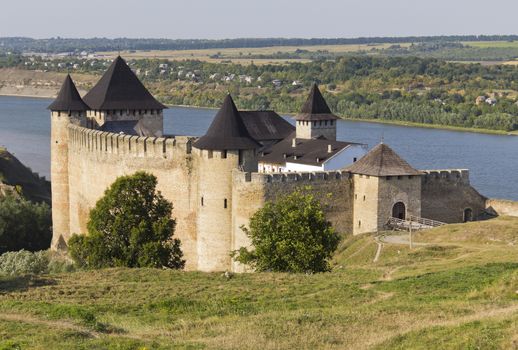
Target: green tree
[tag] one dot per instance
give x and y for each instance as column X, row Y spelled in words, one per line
column 24, row 225
column 130, row 226
column 290, row 235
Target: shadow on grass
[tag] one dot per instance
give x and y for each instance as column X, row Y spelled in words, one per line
column 23, row 283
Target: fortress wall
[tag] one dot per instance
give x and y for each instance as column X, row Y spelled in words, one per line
column 251, row 190
column 502, row 207
column 447, row 193
column 394, row 189
column 97, row 158
column 366, row 203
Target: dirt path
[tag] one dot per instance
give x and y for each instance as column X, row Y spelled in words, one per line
column 399, row 239
column 378, row 251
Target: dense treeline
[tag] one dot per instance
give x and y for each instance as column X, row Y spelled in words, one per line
column 423, row 90
column 55, row 45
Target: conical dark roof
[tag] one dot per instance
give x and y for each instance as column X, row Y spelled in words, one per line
column 382, row 161
column 227, row 131
column 316, row 107
column 68, row 98
column 119, row 89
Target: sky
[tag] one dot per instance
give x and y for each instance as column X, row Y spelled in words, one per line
column 218, row 19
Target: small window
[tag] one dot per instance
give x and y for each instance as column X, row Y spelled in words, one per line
column 355, row 196
column 355, row 159
column 202, row 201
column 364, row 198
column 332, row 122
column 325, row 123
column 210, row 154
column 225, row 203
column 400, row 177
column 389, row 177
column 224, row 154
column 359, row 223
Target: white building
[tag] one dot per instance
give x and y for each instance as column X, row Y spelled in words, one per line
column 313, row 145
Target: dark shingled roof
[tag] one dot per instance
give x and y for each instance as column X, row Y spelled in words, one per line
column 266, row 125
column 127, row 127
column 68, row 98
column 382, row 161
column 306, row 151
column 227, row 131
column 316, row 107
column 120, row 89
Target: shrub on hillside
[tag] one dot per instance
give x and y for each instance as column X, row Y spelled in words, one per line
column 290, row 235
column 130, row 226
column 24, row 262
column 24, row 225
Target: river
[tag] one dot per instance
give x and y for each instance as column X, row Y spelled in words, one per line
column 492, row 159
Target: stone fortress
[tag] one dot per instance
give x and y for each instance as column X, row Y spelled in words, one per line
column 216, row 182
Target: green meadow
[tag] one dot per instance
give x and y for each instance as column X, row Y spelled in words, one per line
column 460, row 291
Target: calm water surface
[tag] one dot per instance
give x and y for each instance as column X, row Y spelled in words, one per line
column 492, row 159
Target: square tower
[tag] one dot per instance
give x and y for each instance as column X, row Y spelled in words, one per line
column 120, row 96
column 315, row 119
column 385, row 186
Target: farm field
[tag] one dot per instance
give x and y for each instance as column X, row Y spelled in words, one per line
column 460, row 291
column 239, row 55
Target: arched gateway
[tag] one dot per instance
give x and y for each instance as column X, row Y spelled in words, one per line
column 399, row 211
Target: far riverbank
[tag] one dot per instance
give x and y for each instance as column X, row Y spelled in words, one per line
column 50, row 93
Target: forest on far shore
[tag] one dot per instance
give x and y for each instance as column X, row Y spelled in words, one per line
column 407, row 89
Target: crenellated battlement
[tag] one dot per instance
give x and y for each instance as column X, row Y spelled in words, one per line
column 291, row 177
column 97, row 141
column 450, row 175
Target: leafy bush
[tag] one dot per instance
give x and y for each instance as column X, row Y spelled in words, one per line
column 24, row 262
column 290, row 235
column 130, row 226
column 24, row 225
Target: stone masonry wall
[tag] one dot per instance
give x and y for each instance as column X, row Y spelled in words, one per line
column 96, row 159
column 502, row 207
column 394, row 189
column 251, row 190
column 447, row 193
column 366, row 203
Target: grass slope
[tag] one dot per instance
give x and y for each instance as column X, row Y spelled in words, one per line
column 14, row 173
column 458, row 293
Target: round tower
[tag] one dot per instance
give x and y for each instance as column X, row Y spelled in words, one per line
column 226, row 146
column 67, row 108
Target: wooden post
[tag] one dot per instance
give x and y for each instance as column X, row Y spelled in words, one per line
column 410, row 234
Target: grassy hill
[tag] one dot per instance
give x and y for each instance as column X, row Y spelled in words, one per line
column 460, row 292
column 14, row 173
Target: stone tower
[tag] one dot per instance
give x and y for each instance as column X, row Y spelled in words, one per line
column 385, row 186
column 66, row 109
column 226, row 146
column 120, row 96
column 315, row 119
